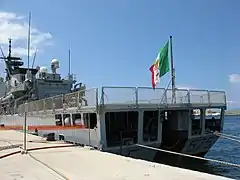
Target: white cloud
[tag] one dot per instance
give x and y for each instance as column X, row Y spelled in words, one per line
column 234, row 78
column 16, row 27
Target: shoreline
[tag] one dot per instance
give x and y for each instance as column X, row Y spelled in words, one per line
column 232, row 113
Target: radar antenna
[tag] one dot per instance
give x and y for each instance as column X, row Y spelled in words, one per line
column 10, row 61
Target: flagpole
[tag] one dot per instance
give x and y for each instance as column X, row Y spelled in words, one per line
column 172, row 74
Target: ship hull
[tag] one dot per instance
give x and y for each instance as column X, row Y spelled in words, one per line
column 197, row 146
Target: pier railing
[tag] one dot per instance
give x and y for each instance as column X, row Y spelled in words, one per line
column 126, row 95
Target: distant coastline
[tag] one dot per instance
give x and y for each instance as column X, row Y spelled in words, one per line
column 232, row 113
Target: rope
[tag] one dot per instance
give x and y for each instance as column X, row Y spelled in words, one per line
column 236, row 137
column 226, row 137
column 190, row 156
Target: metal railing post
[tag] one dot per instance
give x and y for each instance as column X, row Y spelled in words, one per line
column 78, row 100
column 136, row 94
column 102, row 96
column 188, row 96
column 209, row 99
column 89, row 130
column 97, row 100
column 25, row 130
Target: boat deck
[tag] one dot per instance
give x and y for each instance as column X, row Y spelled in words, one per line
column 135, row 97
column 80, row 163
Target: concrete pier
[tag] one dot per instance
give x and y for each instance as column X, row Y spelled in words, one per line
column 78, row 163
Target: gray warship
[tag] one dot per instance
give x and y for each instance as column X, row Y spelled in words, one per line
column 112, row 119
column 24, row 84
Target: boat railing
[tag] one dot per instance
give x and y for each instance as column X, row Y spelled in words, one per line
column 126, row 95
column 161, row 96
column 88, row 97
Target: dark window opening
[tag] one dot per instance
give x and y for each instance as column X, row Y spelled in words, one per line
column 58, row 119
column 174, row 127
column 90, row 120
column 67, row 119
column 77, row 119
column 121, row 128
column 150, row 125
column 213, row 120
column 196, row 116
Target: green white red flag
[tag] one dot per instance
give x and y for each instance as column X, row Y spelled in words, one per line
column 161, row 65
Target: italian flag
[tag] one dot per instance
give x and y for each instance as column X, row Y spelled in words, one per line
column 161, row 65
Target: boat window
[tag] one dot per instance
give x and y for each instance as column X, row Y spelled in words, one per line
column 195, row 117
column 67, row 119
column 150, row 125
column 213, row 120
column 58, row 119
column 121, row 128
column 77, row 119
column 90, row 120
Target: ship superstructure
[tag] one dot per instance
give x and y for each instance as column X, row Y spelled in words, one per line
column 28, row 84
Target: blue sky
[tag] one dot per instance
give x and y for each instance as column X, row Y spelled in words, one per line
column 115, row 42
